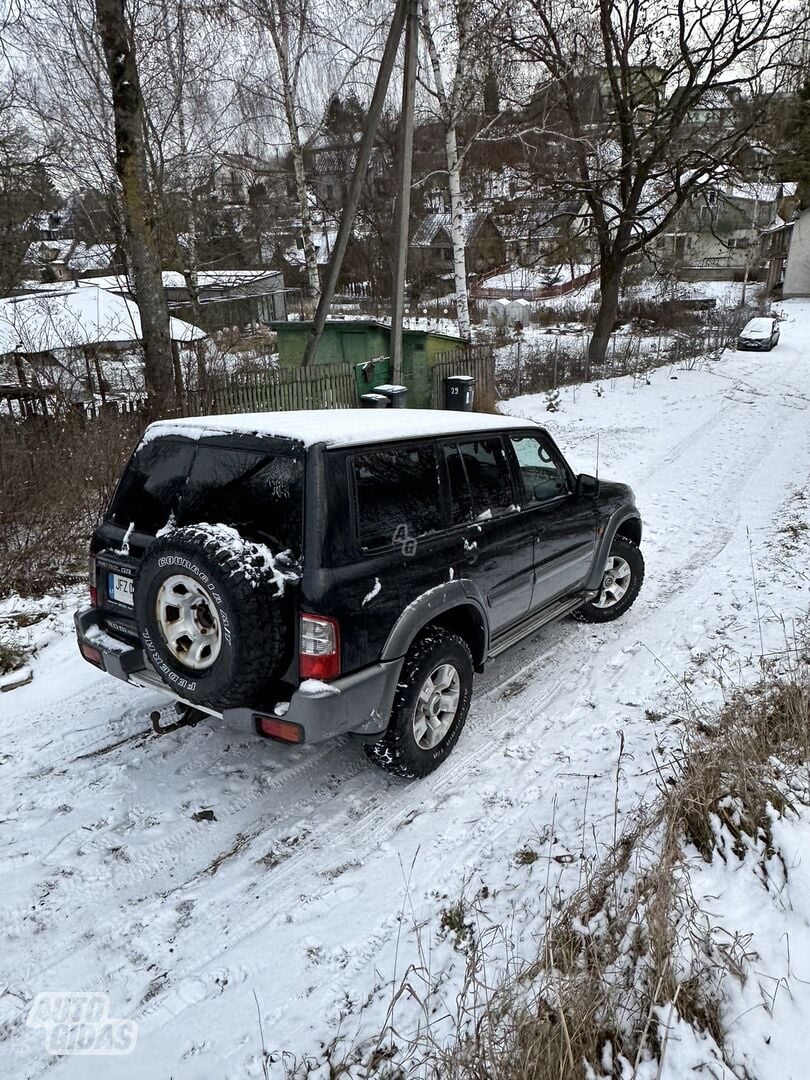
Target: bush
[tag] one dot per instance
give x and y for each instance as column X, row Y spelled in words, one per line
column 56, row 477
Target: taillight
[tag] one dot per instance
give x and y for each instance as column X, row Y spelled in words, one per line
column 91, row 569
column 319, row 654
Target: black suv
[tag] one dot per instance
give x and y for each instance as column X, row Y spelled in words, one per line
column 307, row 574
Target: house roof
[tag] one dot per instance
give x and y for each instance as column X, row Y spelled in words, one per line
column 75, row 254
column 172, row 279
column 432, row 224
column 73, row 318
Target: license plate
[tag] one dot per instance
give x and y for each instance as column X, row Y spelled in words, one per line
column 121, row 589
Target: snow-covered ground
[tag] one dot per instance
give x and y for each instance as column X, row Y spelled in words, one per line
column 229, row 894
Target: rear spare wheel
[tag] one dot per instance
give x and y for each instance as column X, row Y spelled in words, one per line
column 211, row 613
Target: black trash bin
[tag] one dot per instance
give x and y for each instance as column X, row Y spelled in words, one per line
column 374, row 401
column 397, row 395
column 459, row 392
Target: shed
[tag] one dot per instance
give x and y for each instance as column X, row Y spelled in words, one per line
column 366, row 343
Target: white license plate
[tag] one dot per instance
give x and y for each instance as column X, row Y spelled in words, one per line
column 121, row 589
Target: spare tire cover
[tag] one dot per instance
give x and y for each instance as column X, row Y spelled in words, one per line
column 212, row 614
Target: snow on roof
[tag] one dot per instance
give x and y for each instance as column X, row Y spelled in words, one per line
column 324, row 242
column 173, row 279
column 73, row 318
column 91, row 257
column 432, row 224
column 760, row 190
column 338, row 427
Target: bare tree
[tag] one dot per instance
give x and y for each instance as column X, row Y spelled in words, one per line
column 289, row 26
column 454, row 95
column 631, row 87
column 139, row 212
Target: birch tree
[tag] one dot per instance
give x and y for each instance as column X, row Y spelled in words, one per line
column 453, row 97
column 289, row 26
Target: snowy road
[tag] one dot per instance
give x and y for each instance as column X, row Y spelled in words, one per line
column 320, row 879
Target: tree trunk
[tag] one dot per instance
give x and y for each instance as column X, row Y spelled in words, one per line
column 310, row 252
column 610, row 276
column 140, row 227
column 457, row 233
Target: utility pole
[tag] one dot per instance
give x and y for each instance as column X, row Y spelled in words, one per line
column 358, row 178
column 404, row 193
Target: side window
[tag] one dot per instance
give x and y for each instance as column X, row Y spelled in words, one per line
column 397, row 495
column 543, row 474
column 480, row 481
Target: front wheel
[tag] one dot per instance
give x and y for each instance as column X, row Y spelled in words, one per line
column 430, row 706
column 621, row 581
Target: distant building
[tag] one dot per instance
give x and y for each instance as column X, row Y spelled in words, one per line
column 66, row 259
column 719, row 233
column 432, row 245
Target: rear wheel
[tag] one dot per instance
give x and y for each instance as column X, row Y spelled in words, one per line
column 430, row 706
column 621, row 581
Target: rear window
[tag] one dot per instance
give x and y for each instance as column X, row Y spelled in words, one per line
column 397, row 495
column 186, row 482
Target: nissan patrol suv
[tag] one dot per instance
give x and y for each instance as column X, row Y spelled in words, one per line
column 306, row 574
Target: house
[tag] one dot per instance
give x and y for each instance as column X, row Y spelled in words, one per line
column 432, row 246
column 718, row 234
column 66, row 259
column 242, row 179
column 76, row 341
column 715, row 109
column 547, row 232
column 224, row 298
column 228, row 298
column 332, row 157
column 366, row 343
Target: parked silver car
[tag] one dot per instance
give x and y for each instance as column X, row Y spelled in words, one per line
column 761, row 333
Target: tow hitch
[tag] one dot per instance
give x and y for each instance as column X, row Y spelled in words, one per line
column 187, row 716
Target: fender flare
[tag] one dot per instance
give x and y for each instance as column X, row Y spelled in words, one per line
column 615, row 522
column 433, row 604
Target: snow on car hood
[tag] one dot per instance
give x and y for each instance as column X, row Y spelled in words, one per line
column 757, row 328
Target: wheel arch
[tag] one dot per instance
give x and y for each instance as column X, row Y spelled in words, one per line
column 629, row 529
column 449, row 606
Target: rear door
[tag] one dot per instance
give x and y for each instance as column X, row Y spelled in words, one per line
column 498, row 543
column 563, row 526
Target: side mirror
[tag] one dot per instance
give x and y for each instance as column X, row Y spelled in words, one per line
column 587, row 487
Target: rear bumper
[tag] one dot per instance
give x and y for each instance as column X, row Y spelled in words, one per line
column 359, row 704
column 753, row 346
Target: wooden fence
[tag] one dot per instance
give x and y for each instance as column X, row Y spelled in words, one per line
column 475, row 360
column 322, row 386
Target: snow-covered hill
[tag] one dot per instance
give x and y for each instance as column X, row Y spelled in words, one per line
column 318, row 880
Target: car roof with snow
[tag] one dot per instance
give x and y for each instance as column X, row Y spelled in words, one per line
column 339, row 427
column 763, row 323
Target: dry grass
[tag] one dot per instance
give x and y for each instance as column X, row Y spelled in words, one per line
column 631, row 941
